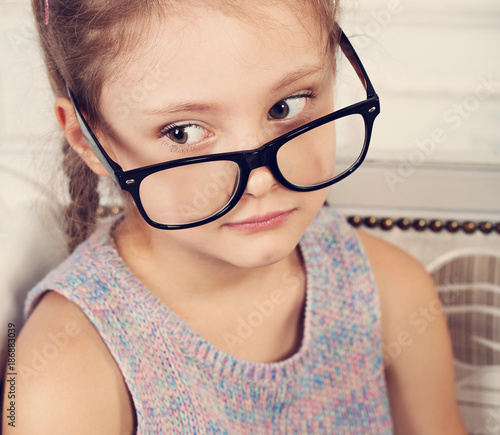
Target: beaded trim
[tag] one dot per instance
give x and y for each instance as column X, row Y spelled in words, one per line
column 435, row 225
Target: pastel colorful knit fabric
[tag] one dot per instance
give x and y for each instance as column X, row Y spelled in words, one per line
column 181, row 384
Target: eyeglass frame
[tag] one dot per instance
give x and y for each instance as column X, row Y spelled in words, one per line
column 248, row 160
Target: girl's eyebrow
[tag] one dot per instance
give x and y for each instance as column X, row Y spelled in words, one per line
column 296, row 76
column 184, row 107
column 187, row 106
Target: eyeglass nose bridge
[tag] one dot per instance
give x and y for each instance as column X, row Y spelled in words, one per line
column 263, row 156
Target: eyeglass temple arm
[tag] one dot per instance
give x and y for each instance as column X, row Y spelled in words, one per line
column 353, row 57
column 111, row 166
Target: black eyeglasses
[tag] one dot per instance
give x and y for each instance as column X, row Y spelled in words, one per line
column 193, row 191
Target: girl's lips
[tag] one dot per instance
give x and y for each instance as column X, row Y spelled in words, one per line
column 265, row 222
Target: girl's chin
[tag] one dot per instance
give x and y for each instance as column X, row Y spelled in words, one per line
column 261, row 253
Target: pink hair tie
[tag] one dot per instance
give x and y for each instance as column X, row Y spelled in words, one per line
column 46, row 12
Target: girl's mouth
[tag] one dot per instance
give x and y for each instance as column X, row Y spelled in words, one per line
column 264, row 222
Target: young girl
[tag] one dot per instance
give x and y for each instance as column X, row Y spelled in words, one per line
column 227, row 298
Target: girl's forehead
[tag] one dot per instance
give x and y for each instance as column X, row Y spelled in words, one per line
column 205, row 44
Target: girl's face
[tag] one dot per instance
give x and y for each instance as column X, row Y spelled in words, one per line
column 203, row 83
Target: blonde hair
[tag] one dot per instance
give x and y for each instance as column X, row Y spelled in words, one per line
column 83, row 39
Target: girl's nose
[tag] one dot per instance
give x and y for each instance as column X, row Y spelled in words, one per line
column 260, row 182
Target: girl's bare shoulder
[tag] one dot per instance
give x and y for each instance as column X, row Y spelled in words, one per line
column 67, row 380
column 403, row 284
column 417, row 350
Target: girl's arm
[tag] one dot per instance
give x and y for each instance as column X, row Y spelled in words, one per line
column 68, row 382
column 417, row 348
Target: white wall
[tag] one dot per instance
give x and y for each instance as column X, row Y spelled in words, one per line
column 28, row 129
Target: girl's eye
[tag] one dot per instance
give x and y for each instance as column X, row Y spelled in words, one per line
column 185, row 134
column 288, row 107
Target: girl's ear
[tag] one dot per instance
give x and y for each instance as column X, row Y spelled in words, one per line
column 66, row 117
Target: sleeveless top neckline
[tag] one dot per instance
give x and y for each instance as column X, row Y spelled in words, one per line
column 193, row 345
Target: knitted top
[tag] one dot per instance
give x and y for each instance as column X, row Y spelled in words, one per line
column 182, row 384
